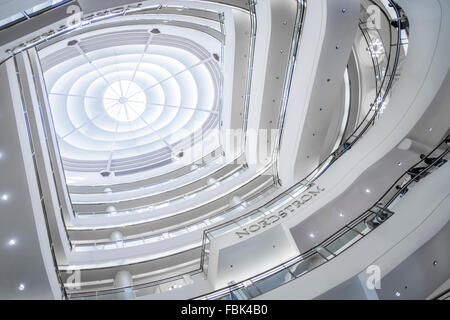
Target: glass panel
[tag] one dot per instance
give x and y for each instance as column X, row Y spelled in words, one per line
column 324, row 253
column 110, row 246
column 99, row 246
column 196, row 226
column 153, row 239
column 145, row 291
column 178, row 232
column 225, row 297
column 178, row 200
column 343, row 242
column 13, row 18
column 253, row 291
column 131, row 243
column 307, row 264
column 278, row 202
column 274, row 280
column 83, row 248
column 217, row 219
column 128, row 295
column 231, row 212
column 302, row 187
column 251, row 218
column 224, row 229
column 362, row 228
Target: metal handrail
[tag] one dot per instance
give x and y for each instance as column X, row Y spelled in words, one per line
column 199, row 190
column 249, row 78
column 379, row 212
column 27, row 16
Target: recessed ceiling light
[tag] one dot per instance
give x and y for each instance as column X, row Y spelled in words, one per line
column 4, row 197
column 399, row 164
column 397, row 294
column 12, row 242
column 430, row 129
column 341, row 215
column 368, row 191
column 312, row 235
column 21, row 287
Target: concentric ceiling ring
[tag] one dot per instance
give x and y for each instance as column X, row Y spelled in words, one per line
column 137, row 101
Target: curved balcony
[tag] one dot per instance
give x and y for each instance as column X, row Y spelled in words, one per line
column 343, row 239
column 128, row 194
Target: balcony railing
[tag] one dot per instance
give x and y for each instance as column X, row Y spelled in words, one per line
column 65, row 31
column 362, row 128
column 342, row 240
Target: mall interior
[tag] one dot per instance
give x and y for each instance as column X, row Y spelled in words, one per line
column 224, row 150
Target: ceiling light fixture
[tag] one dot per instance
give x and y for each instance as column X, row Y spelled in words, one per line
column 4, row 197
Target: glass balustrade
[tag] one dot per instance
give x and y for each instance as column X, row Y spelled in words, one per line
column 342, row 240
column 385, row 73
column 222, row 215
column 30, row 12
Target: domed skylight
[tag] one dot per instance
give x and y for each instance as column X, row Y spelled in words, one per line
column 124, row 101
column 130, row 101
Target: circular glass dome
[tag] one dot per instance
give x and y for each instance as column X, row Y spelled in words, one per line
column 124, row 101
column 125, row 104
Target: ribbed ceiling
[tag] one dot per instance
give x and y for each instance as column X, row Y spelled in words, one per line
column 126, row 101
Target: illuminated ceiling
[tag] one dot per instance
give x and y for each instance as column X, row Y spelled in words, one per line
column 124, row 102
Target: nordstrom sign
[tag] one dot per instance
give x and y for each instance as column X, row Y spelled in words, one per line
column 283, row 213
column 74, row 20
